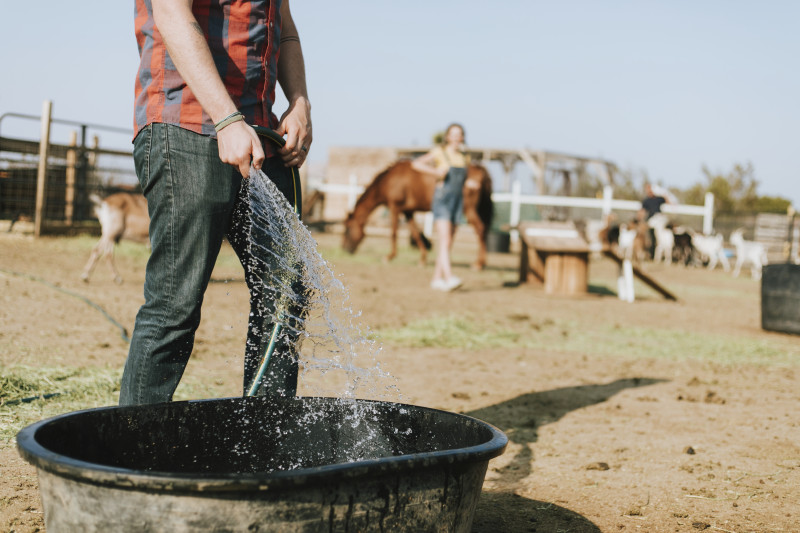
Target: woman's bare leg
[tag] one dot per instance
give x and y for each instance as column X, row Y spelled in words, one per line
column 444, row 232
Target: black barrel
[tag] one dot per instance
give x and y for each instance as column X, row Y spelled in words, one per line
column 259, row 464
column 498, row 241
column 780, row 298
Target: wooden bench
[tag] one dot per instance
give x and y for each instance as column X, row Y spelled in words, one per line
column 555, row 255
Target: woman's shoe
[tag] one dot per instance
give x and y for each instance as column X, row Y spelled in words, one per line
column 439, row 285
column 452, row 283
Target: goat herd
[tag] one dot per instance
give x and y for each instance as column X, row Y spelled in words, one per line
column 659, row 240
column 124, row 215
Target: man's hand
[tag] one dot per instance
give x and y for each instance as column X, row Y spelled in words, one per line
column 296, row 125
column 239, row 145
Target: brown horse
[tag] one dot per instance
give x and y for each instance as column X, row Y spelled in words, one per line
column 405, row 190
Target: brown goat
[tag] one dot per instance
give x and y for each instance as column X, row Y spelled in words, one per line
column 122, row 216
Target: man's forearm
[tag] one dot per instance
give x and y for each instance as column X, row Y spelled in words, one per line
column 291, row 65
column 292, row 72
column 189, row 51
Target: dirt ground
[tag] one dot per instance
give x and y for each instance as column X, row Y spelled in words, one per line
column 618, row 418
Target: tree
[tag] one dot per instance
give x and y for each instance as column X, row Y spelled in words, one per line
column 734, row 192
column 629, row 183
column 772, row 204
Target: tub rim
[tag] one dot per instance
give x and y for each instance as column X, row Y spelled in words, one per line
column 126, row 478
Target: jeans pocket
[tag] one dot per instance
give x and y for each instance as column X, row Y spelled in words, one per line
column 141, row 155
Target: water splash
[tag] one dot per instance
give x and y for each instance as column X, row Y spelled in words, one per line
column 310, row 304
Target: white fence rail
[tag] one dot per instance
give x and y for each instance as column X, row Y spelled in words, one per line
column 605, row 205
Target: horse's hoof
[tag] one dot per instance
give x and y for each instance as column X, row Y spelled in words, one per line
column 84, row 278
column 477, row 267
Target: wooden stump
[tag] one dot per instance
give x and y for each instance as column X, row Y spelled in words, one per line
column 566, row 273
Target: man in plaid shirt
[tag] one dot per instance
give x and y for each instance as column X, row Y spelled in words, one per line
column 208, row 71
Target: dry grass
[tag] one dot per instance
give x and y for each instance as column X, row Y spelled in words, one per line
column 590, row 338
column 29, row 394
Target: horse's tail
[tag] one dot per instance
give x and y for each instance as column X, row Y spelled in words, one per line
column 485, row 205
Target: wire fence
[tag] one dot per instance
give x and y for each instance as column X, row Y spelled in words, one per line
column 73, row 171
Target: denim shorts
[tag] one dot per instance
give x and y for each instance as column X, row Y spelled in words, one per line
column 448, row 198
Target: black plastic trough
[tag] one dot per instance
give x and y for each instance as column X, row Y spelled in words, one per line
column 780, row 298
column 498, row 241
column 259, row 464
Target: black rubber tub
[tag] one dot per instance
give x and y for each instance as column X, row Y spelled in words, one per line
column 258, row 464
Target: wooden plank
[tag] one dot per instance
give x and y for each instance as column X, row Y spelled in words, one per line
column 58, row 151
column 554, row 244
column 772, row 229
column 530, row 263
column 642, row 275
column 553, row 237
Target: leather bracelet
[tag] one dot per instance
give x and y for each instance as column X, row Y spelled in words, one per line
column 236, row 116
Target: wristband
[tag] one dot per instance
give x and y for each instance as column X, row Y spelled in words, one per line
column 236, row 116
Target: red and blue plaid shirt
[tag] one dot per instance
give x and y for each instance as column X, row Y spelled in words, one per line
column 244, row 38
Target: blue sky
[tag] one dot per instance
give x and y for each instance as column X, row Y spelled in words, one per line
column 664, row 86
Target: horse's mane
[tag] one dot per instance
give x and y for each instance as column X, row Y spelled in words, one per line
column 376, row 181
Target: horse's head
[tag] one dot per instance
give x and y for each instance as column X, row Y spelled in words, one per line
column 353, row 234
column 478, row 178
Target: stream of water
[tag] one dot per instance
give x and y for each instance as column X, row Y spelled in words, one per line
column 311, row 306
column 339, row 355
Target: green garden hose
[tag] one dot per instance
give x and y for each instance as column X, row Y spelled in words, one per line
column 276, row 329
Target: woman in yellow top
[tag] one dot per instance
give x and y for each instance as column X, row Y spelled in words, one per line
column 449, row 164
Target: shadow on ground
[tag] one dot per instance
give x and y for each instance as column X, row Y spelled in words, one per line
column 601, row 290
column 510, row 513
column 520, row 419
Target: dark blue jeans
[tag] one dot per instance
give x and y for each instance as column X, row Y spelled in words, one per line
column 195, row 200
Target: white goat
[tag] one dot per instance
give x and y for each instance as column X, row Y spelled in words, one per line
column 593, row 233
column 748, row 252
column 665, row 239
column 122, row 216
column 710, row 248
column 626, row 237
column 632, row 241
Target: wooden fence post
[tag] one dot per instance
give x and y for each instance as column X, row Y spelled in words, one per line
column 41, row 175
column 72, row 160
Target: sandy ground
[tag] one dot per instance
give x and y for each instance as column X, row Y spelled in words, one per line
column 620, row 435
